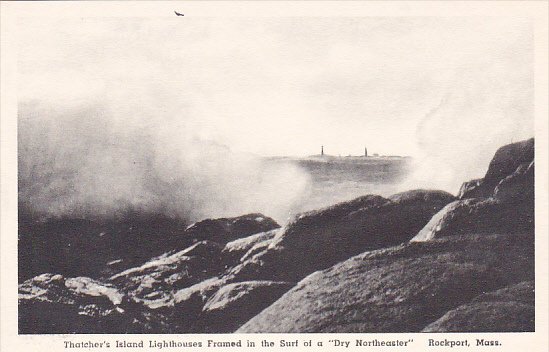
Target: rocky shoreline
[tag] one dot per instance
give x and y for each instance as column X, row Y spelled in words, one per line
column 421, row 260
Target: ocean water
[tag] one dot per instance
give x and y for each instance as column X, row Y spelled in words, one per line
column 338, row 179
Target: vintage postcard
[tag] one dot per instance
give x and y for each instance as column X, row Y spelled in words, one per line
column 283, row 176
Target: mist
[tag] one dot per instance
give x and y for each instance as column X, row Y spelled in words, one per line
column 78, row 162
column 486, row 106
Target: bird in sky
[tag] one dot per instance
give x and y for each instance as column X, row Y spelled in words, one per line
column 178, row 14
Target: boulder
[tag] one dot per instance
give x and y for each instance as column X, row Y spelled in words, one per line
column 234, row 304
column 421, row 195
column 225, row 230
column 506, row 160
column 510, row 309
column 399, row 289
column 477, row 215
column 319, row 239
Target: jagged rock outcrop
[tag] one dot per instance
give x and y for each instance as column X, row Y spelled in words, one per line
column 472, row 188
column 235, row 250
column 319, row 239
column 63, row 245
column 155, row 282
column 510, row 309
column 400, row 289
column 518, row 186
column 51, row 304
column 504, row 163
column 166, row 294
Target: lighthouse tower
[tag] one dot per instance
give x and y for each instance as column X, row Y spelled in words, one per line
column 321, row 150
column 365, row 151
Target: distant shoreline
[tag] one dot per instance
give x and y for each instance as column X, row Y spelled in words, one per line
column 339, row 159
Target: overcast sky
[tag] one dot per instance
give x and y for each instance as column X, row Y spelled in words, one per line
column 284, row 86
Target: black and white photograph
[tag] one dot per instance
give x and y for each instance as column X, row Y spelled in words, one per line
column 207, row 174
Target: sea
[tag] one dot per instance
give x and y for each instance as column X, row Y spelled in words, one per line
column 337, row 179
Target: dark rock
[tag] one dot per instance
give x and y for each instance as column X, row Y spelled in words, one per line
column 155, row 282
column 64, row 245
column 318, row 239
column 81, row 247
column 152, row 293
column 56, row 288
column 214, row 305
column 477, row 215
column 399, row 289
column 506, row 160
column 234, row 250
column 234, row 304
column 517, row 187
column 472, row 189
column 523, row 292
column 506, row 206
column 509, row 309
column 50, row 304
column 189, row 302
column 208, row 250
column 422, row 195
column 224, row 230
column 256, row 249
column 198, row 293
